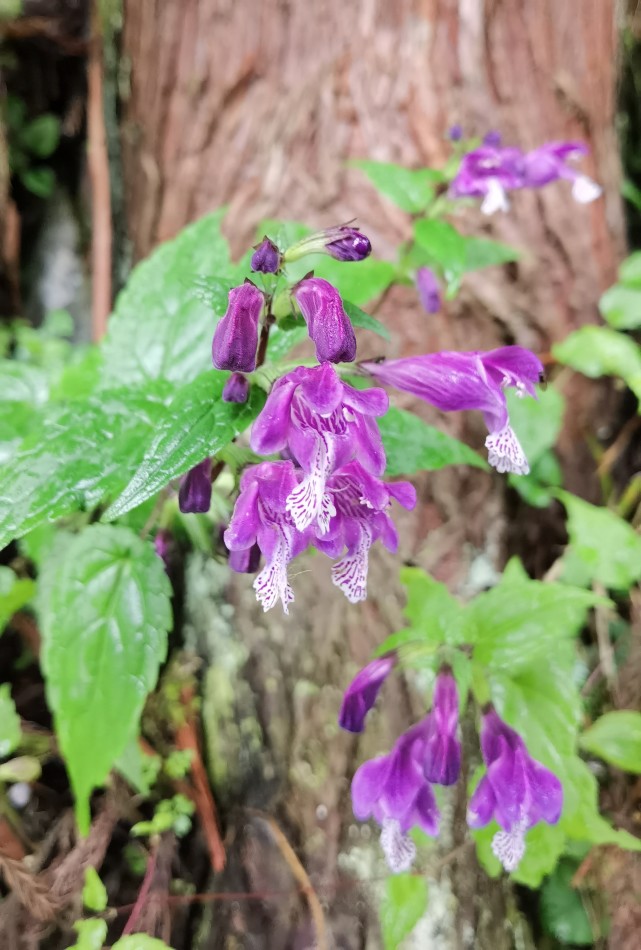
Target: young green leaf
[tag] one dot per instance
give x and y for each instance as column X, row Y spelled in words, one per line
column 601, row 351
column 409, row 189
column 9, row 723
column 105, row 613
column 92, row 934
column 412, row 445
column 616, row 738
column 402, row 907
column 94, row 892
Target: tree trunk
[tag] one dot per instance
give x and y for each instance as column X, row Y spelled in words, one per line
column 259, row 106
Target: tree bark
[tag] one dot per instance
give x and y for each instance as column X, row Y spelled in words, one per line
column 259, row 106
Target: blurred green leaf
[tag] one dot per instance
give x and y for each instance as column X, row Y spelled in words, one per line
column 620, row 306
column 9, row 723
column 41, row 135
column 140, row 942
column 402, row 907
column 15, row 593
column 601, row 351
column 105, row 613
column 412, row 445
column 544, row 845
column 455, row 254
column 138, row 769
column 92, row 934
column 608, row 546
column 411, row 190
column 615, row 737
column 630, row 270
column 40, row 180
column 562, row 910
column 537, row 422
column 94, row 893
column 21, row 382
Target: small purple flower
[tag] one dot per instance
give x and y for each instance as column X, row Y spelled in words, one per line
column 342, row 243
column 194, row 494
column 261, row 518
column 489, row 172
column 266, row 257
column 328, row 324
column 429, row 291
column 354, row 515
column 236, row 335
column 323, row 423
column 550, row 162
column 492, row 138
column 442, row 763
column 393, row 790
column 361, row 693
column 455, row 133
column 473, row 380
column 236, row 389
column 516, row 790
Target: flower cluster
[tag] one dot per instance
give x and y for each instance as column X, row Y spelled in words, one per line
column 492, row 170
column 396, row 789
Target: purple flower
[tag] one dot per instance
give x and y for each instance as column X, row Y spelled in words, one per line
column 393, row 790
column 473, row 380
column 489, row 172
column 328, row 324
column 442, row 762
column 550, row 162
column 428, row 290
column 246, row 561
column 266, row 257
column 343, row 243
column 323, row 423
column 361, row 693
column 261, row 518
column 353, row 516
column 194, row 494
column 516, row 790
column 236, row 389
column 236, row 336
column 492, row 138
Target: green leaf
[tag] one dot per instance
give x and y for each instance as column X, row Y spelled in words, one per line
column 616, row 738
column 9, row 723
column 105, row 614
column 608, row 546
column 544, row 844
column 21, row 382
column 41, row 135
column 94, row 892
column 359, row 318
column 581, row 818
column 519, row 622
column 621, row 307
column 198, row 424
column 402, row 907
column 456, row 254
column 15, row 593
column 138, row 769
column 283, row 339
column 600, row 351
column 140, row 942
column 40, row 181
column 630, row 270
column 14, row 427
column 212, row 291
column 537, row 422
column 412, row 445
column 158, row 329
column 92, row 934
column 357, row 281
column 562, row 909
column 411, row 190
column 432, row 610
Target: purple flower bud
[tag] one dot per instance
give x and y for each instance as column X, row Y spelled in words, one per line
column 442, row 763
column 428, row 290
column 328, row 324
column 236, row 389
column 455, row 133
column 266, row 257
column 492, row 138
column 236, row 336
column 245, row 562
column 361, row 693
column 349, row 245
column 194, row 494
column 516, row 790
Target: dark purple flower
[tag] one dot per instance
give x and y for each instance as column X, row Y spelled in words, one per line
column 473, row 380
column 342, row 243
column 393, row 790
column 361, row 693
column 194, row 494
column 442, row 762
column 492, row 138
column 429, row 291
column 328, row 324
column 323, row 423
column 353, row 516
column 236, row 389
column 261, row 518
column 551, row 162
column 489, row 172
column 236, row 335
column 455, row 133
column 266, row 257
column 516, row 790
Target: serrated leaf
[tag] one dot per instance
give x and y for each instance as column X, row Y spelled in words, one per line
column 601, row 351
column 607, row 545
column 15, row 593
column 562, row 910
column 9, row 723
column 364, row 320
column 620, row 306
column 433, row 610
column 402, row 907
column 198, row 424
column 615, row 737
column 159, row 329
column 409, row 189
column 412, row 445
column 105, row 613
